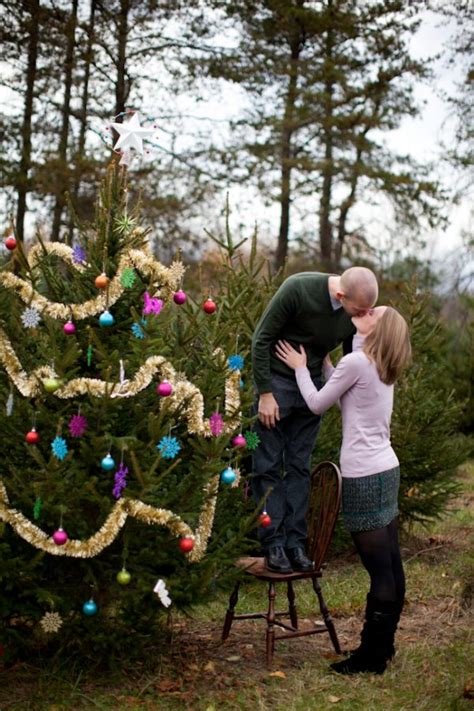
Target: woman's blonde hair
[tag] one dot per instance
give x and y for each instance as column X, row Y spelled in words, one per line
column 388, row 345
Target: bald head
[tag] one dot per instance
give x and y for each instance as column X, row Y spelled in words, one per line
column 358, row 289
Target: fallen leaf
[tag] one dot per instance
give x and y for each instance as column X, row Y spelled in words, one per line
column 279, row 674
column 210, row 667
column 468, row 692
column 234, row 658
column 334, row 699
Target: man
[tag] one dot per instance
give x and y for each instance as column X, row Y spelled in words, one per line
column 314, row 310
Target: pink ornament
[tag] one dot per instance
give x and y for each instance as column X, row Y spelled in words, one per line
column 179, row 297
column 164, row 388
column 69, row 328
column 216, row 424
column 60, row 537
column 239, row 441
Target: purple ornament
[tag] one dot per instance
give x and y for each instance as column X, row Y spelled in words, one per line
column 69, row 328
column 120, row 480
column 216, row 424
column 239, row 441
column 78, row 255
column 77, row 425
column 179, row 297
column 60, row 537
column 164, row 388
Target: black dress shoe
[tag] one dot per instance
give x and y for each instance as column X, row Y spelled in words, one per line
column 277, row 560
column 299, row 560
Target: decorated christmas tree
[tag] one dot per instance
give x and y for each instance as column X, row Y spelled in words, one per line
column 123, row 426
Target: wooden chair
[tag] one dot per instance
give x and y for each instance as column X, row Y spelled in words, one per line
column 323, row 509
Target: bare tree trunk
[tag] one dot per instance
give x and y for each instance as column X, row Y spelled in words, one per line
column 22, row 185
column 286, row 157
column 81, row 144
column 66, row 110
column 325, row 225
column 122, row 89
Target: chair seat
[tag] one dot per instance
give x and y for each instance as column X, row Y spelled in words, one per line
column 258, row 568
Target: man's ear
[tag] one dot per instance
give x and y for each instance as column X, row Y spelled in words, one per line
column 340, row 295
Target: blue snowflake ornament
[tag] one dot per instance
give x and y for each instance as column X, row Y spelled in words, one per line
column 169, row 447
column 59, row 447
column 137, row 329
column 235, row 362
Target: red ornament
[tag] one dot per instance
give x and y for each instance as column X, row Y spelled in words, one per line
column 264, row 520
column 102, row 281
column 186, row 545
column 10, row 243
column 32, row 437
column 164, row 388
column 179, row 297
column 209, row 306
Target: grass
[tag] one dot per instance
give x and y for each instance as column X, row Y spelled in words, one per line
column 432, row 670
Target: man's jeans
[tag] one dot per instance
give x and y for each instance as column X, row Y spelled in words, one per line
column 281, row 463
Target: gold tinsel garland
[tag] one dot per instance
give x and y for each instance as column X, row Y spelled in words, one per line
column 184, row 392
column 167, row 280
column 114, row 522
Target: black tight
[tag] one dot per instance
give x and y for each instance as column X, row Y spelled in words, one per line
column 380, row 554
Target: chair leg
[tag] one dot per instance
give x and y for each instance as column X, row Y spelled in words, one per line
column 229, row 618
column 270, row 624
column 291, row 605
column 326, row 616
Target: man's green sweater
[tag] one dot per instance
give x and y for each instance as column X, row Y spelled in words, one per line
column 300, row 312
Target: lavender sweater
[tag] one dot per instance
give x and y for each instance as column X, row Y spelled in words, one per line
column 366, row 405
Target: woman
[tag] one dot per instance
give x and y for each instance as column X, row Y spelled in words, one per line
column 363, row 384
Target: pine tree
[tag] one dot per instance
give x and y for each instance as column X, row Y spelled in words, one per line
column 80, row 366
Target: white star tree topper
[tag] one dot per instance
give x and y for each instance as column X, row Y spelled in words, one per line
column 131, row 134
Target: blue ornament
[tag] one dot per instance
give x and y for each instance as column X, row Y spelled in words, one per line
column 169, row 447
column 137, row 330
column 59, row 447
column 228, row 476
column 106, row 319
column 107, row 463
column 89, row 608
column 235, row 362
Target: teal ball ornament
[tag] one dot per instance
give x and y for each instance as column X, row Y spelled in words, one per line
column 106, row 319
column 107, row 463
column 89, row 608
column 228, row 476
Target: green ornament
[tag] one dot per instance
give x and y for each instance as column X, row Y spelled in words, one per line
column 124, row 224
column 128, row 278
column 252, row 439
column 89, row 355
column 51, row 384
column 37, row 508
column 123, row 577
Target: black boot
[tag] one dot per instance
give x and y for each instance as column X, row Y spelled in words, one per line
column 277, row 561
column 376, row 648
column 299, row 560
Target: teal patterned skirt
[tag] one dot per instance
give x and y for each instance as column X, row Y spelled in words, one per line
column 370, row 502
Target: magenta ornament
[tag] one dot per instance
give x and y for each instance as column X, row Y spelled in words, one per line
column 164, row 388
column 179, row 297
column 69, row 328
column 239, row 441
column 77, row 425
column 60, row 537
